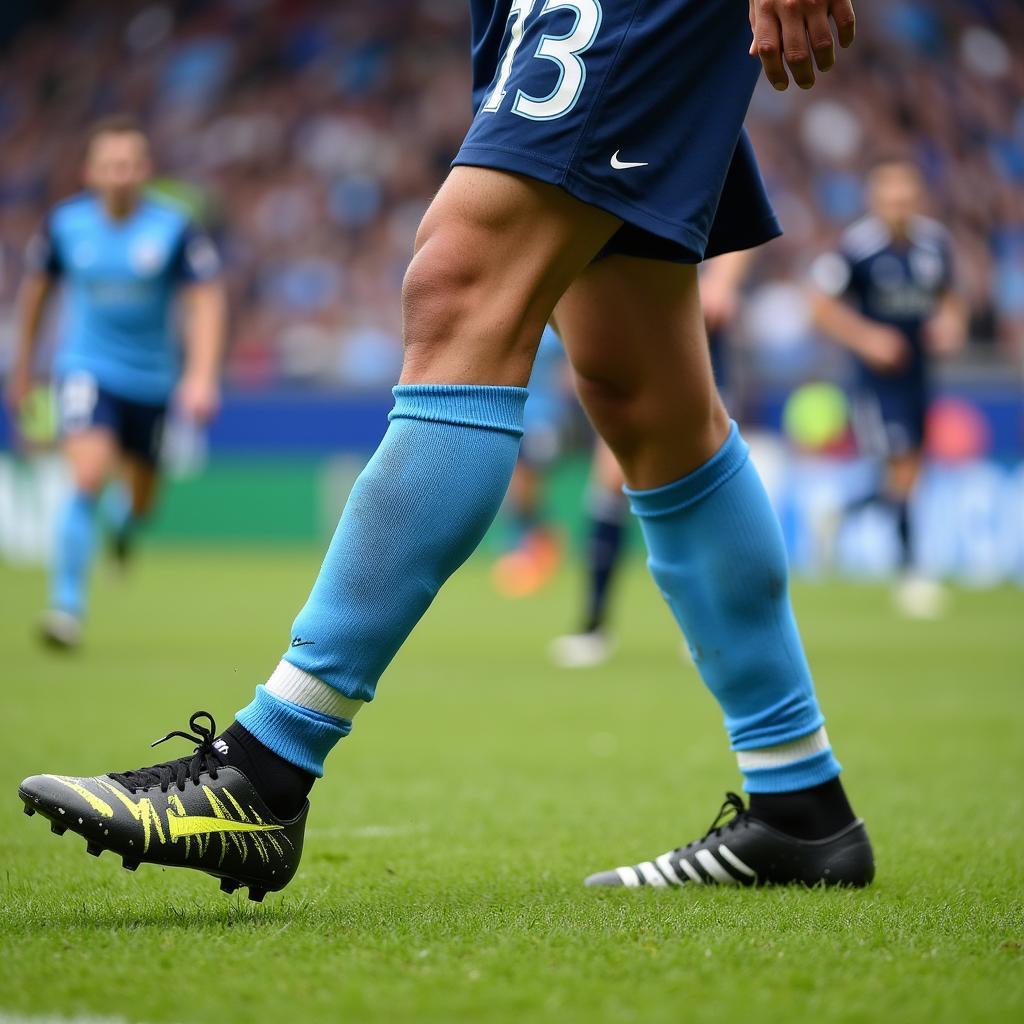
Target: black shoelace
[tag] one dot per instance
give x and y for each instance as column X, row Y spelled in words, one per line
column 729, row 815
column 205, row 758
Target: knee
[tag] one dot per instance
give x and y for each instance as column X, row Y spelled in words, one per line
column 437, row 291
column 467, row 305
column 89, row 480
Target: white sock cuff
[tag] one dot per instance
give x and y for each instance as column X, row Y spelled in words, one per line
column 784, row 753
column 298, row 687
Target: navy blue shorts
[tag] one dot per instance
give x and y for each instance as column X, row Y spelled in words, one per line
column 889, row 421
column 138, row 426
column 633, row 106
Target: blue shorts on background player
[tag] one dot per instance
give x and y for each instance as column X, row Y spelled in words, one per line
column 121, row 260
column 888, row 295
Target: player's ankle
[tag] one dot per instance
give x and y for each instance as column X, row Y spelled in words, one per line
column 812, row 813
column 282, row 785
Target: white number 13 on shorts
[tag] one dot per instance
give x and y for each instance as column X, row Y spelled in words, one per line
column 562, row 50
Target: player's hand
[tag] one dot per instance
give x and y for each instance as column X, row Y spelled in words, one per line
column 884, row 349
column 198, row 398
column 797, row 33
column 944, row 334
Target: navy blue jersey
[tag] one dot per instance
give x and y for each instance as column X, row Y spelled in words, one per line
column 633, row 106
column 899, row 283
column 120, row 279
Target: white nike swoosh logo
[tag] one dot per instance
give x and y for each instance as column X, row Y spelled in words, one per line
column 622, row 165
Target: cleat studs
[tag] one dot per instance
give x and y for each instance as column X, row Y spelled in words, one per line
column 28, row 810
column 228, row 885
column 129, row 864
column 57, row 828
column 256, row 893
column 93, row 849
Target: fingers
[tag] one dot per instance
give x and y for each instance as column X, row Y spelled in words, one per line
column 845, row 21
column 768, row 45
column 819, row 32
column 795, row 46
column 797, row 34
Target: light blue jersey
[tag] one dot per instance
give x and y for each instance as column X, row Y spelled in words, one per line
column 120, row 280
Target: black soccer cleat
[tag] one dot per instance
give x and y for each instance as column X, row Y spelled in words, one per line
column 745, row 851
column 196, row 812
column 121, row 547
column 60, row 630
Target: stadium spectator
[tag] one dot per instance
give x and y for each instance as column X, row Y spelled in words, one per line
column 318, row 132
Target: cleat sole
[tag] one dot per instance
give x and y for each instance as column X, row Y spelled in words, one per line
column 256, row 893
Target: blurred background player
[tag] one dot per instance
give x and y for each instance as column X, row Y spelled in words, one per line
column 536, row 549
column 122, row 258
column 888, row 295
column 607, row 506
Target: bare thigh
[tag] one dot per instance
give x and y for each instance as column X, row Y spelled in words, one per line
column 92, row 457
column 494, row 253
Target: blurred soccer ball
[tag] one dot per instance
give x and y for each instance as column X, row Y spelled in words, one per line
column 816, row 416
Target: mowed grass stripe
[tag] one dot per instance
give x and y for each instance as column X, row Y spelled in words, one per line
column 441, row 879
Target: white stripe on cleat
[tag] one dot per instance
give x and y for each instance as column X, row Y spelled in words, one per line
column 707, row 861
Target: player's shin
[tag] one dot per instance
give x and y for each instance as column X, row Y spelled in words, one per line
column 417, row 511
column 717, row 554
column 73, row 554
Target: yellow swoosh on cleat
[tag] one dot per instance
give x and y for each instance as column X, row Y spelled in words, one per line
column 87, row 795
column 197, row 824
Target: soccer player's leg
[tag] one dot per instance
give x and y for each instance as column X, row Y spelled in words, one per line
column 88, row 425
column 915, row 594
column 607, row 518
column 531, row 560
column 140, row 440
column 493, row 256
column 901, row 474
column 635, row 336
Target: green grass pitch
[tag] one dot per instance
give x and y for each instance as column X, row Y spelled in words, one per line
column 441, row 879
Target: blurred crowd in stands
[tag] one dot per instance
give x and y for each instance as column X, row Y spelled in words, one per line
column 316, row 131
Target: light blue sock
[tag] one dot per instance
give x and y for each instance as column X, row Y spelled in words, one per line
column 73, row 551
column 417, row 511
column 717, row 554
column 117, row 509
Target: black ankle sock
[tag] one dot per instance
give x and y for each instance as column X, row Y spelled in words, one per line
column 805, row 813
column 282, row 785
